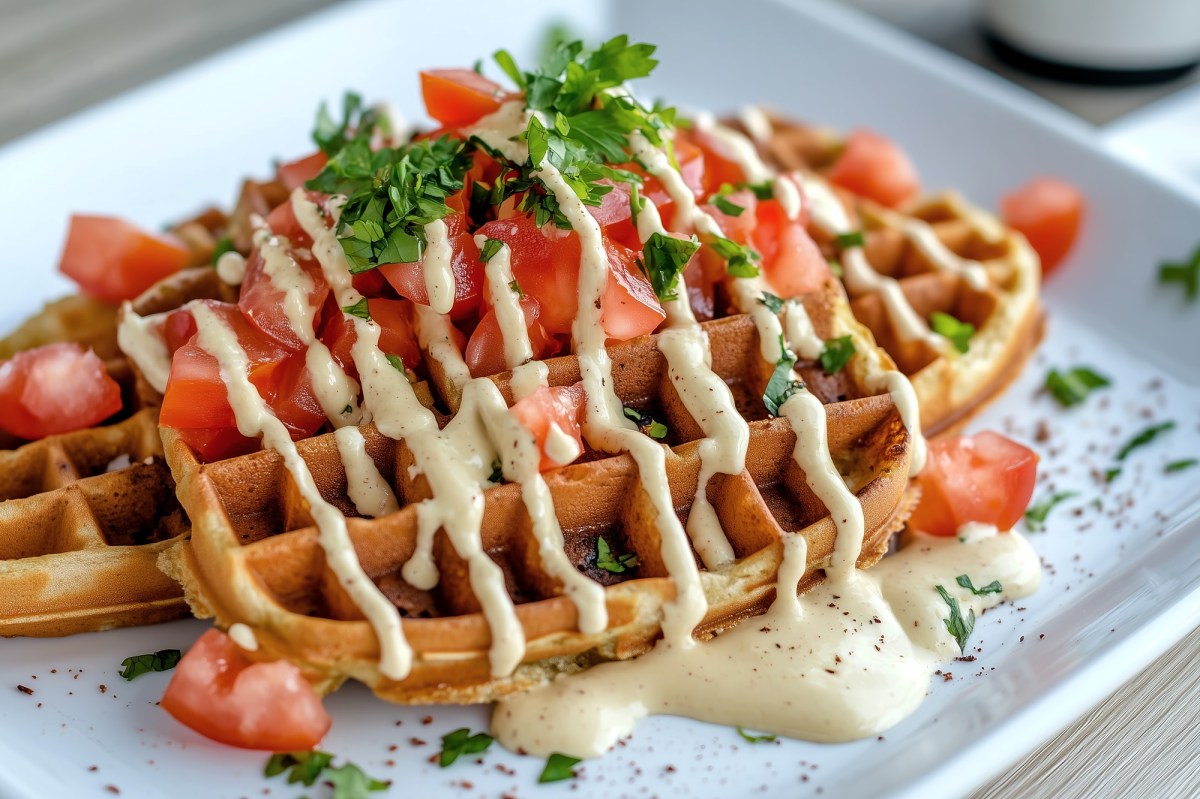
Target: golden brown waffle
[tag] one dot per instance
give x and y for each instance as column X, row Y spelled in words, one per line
column 253, row 556
column 1004, row 308
column 84, row 515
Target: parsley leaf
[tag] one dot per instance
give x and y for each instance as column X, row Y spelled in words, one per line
column 1187, row 274
column 462, row 742
column 647, row 423
column 356, row 121
column 781, row 386
column 1035, row 516
column 515, row 288
column 490, row 248
column 993, row 587
column 664, row 259
column 222, row 246
column 740, row 260
column 497, row 475
column 1179, row 466
column 958, row 332
column 559, row 767
column 1073, row 386
column 957, row 625
column 854, row 238
column 1143, row 438
column 162, row 660
column 396, row 363
column 359, row 309
column 763, row 191
column 726, row 207
column 755, row 739
column 837, row 353
column 605, row 559
column 775, row 304
column 348, row 780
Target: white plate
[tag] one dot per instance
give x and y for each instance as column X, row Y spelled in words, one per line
column 1121, row 585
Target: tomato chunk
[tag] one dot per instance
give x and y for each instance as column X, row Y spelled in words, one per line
column 114, row 260
column 560, row 406
column 409, row 279
column 55, row 389
column 485, row 350
column 223, row 695
column 1049, row 212
column 985, row 478
column 459, row 97
column 874, row 167
column 792, row 261
column 396, row 337
column 295, row 174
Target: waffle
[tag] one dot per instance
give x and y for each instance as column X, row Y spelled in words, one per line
column 1000, row 299
column 253, row 557
column 84, row 515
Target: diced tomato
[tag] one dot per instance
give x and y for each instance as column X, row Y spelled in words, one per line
column 1049, row 212
column 983, row 478
column 485, row 350
column 875, row 167
column 223, row 695
column 397, row 335
column 286, row 386
column 282, row 221
column 55, row 389
column 460, row 97
column 296, row 173
column 546, row 264
column 691, row 167
column 409, row 279
column 114, row 260
column 791, row 261
column 719, row 165
column 560, row 405
column 739, row 227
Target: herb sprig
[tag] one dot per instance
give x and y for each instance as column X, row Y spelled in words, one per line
column 993, row 587
column 1035, row 516
column 162, row 660
column 663, row 260
column 357, row 121
column 781, row 386
column 837, row 353
column 959, row 333
column 462, row 742
column 647, row 423
column 348, row 780
column 755, row 739
column 609, row 561
column 1073, row 386
column 1186, row 274
column 558, row 767
column 957, row 624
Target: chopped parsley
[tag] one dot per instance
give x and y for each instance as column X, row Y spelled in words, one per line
column 781, row 386
column 725, row 206
column 1073, row 386
column 663, row 260
column 740, row 260
column 559, row 767
column 959, row 333
column 497, row 475
column 1143, row 438
column 647, row 423
column 1035, row 516
column 755, row 739
column 392, row 193
column 1112, row 474
column 854, row 238
column 605, row 559
column 764, row 190
column 515, row 288
column 490, row 248
column 348, row 780
column 347, row 409
column 162, row 660
column 462, row 742
column 223, row 245
column 1186, row 274
column 775, row 304
column 357, row 121
column 1179, row 466
column 837, row 353
column 993, row 587
column 957, row 625
column 396, row 363
column 359, row 309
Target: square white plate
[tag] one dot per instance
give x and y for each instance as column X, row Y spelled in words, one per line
column 1122, row 582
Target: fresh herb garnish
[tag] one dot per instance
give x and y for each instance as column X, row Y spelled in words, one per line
column 837, row 353
column 515, row 288
column 392, row 194
column 775, row 304
column 725, row 206
column 497, row 475
column 1143, row 438
column 348, row 780
column 854, row 238
column 647, row 423
column 1187, row 274
column 489, row 249
column 605, row 559
column 1179, row 466
column 993, row 587
column 755, row 739
column 765, row 190
column 462, row 742
column 356, row 122
column 162, row 660
column 222, row 246
column 1112, row 474
column 558, row 767
column 1035, row 516
column 359, row 309
column 740, row 260
column 1073, row 386
column 959, row 333
column 835, row 266
column 957, row 625
column 397, row 363
column 781, row 386
column 663, row 260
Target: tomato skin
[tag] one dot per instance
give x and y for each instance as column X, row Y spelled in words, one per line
column 409, row 279
column 460, row 97
column 56, row 388
column 874, row 167
column 719, row 165
column 792, row 262
column 1049, row 213
column 485, row 351
column 397, row 335
column 114, row 260
column 295, row 174
column 223, row 695
column 985, row 478
column 561, row 405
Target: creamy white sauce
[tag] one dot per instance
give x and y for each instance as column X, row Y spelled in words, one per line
column 243, row 636
column 527, row 378
column 507, row 304
column 370, row 493
column 231, row 268
column 561, row 447
column 757, row 123
column 437, row 267
column 435, row 333
column 139, row 339
column 286, row 277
